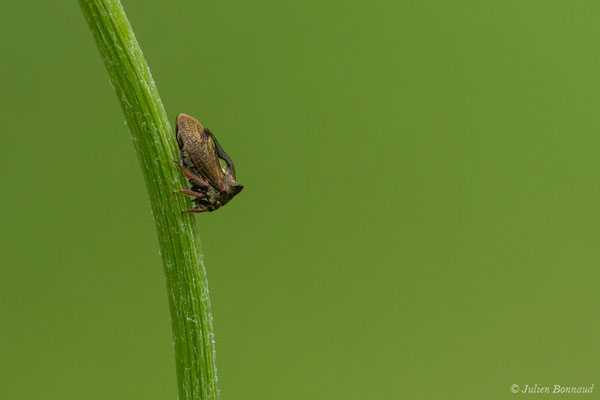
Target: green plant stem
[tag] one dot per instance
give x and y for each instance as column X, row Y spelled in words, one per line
column 177, row 234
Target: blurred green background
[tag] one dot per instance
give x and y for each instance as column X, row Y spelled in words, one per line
column 420, row 219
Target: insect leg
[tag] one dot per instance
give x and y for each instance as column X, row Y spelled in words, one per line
column 190, row 175
column 195, row 210
column 189, row 193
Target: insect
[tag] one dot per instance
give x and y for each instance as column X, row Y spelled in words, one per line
column 205, row 164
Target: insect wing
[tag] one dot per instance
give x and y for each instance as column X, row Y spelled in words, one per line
column 200, row 148
column 222, row 155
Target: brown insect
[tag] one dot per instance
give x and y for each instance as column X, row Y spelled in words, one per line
column 205, row 164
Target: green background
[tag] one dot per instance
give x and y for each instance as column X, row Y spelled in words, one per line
column 421, row 212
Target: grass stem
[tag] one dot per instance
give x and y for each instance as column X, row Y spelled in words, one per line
column 178, row 238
